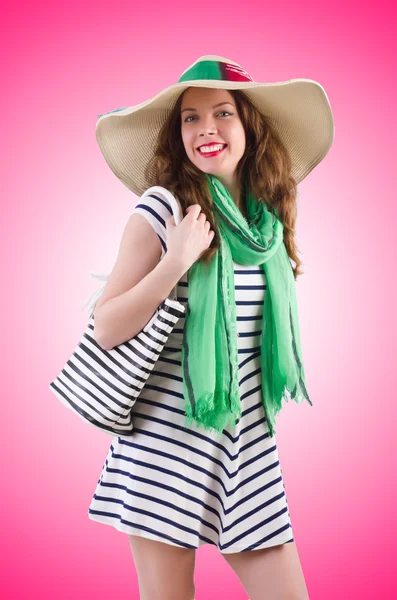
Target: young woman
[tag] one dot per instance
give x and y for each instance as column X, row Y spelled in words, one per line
column 202, row 466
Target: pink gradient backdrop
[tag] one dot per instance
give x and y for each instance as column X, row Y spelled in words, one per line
column 63, row 214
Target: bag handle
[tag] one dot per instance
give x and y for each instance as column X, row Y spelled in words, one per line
column 178, row 217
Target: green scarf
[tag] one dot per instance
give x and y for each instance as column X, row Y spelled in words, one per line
column 209, row 351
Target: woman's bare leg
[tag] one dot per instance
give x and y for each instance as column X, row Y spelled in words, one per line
column 165, row 572
column 273, row 573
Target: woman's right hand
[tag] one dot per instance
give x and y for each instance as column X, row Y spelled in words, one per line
column 191, row 238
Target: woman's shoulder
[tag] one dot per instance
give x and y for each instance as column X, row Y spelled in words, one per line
column 155, row 202
column 156, row 208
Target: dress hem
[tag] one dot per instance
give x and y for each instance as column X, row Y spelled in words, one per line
column 126, row 529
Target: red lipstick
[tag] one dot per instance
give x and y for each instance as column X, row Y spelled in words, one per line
column 210, row 154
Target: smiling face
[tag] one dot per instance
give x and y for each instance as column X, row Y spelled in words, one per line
column 209, row 123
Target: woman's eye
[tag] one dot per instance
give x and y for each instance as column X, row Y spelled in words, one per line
column 221, row 113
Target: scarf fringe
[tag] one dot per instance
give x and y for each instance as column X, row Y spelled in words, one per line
column 216, row 423
column 286, row 395
column 204, row 415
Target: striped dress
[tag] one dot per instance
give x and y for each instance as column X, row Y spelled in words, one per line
column 180, row 485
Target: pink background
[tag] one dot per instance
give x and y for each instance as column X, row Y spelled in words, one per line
column 63, row 214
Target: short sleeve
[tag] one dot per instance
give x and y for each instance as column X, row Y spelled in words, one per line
column 156, row 209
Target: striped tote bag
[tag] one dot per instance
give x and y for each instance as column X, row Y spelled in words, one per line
column 101, row 386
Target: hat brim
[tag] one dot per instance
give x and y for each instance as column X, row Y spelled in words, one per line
column 298, row 109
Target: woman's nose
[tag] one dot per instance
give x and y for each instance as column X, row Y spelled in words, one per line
column 208, row 125
column 208, row 130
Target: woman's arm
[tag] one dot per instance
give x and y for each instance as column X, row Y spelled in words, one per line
column 139, row 282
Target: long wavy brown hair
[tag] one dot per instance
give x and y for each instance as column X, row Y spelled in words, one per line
column 265, row 168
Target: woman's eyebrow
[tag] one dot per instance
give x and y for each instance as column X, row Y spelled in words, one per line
column 220, row 104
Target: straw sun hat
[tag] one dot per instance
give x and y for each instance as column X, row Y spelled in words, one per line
column 298, row 109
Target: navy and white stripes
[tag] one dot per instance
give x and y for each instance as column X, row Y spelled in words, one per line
column 181, row 485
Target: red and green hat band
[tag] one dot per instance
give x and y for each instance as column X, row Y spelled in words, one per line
column 217, row 70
